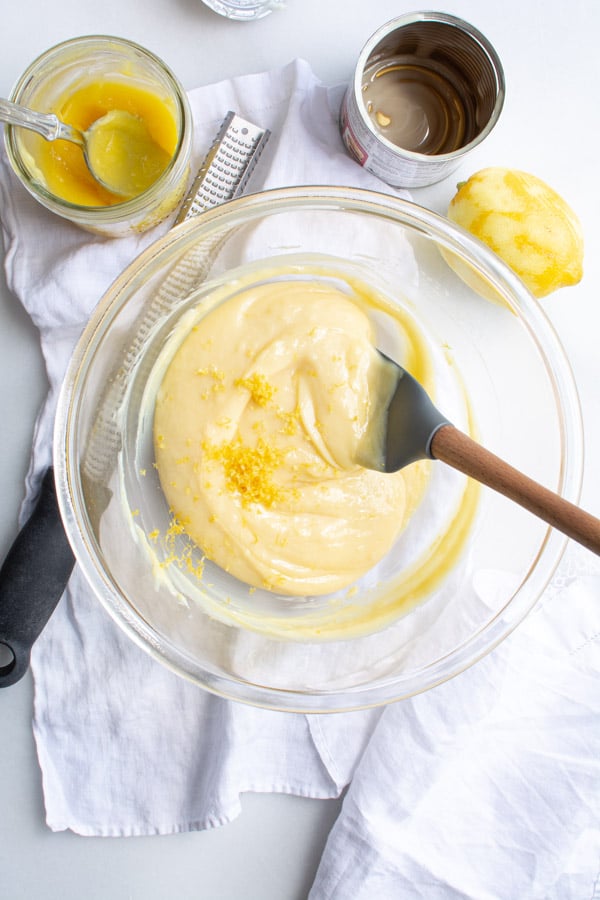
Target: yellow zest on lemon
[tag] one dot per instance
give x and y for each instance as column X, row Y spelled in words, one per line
column 526, row 223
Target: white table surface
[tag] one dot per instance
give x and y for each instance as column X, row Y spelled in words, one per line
column 549, row 126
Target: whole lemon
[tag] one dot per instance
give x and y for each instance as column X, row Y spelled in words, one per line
column 526, row 223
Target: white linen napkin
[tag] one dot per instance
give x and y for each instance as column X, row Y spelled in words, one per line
column 486, row 787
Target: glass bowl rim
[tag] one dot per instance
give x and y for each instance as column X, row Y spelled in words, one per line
column 432, row 226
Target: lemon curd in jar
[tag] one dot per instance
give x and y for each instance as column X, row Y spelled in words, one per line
column 61, row 164
column 103, row 81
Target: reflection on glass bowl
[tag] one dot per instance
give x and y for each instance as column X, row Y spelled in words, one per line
column 468, row 566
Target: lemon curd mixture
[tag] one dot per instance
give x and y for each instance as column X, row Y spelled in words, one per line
column 150, row 145
column 258, row 423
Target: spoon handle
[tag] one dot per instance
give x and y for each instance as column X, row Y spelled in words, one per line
column 46, row 124
column 458, row 450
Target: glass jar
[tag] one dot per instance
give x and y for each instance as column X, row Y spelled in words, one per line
column 84, row 62
column 244, row 10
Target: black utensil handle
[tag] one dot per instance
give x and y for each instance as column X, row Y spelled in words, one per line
column 32, row 580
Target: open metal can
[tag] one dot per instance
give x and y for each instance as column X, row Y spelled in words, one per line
column 427, row 89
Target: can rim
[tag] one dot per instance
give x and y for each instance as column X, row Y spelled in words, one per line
column 445, row 19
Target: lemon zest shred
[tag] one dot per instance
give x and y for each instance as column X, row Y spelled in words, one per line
column 260, row 389
column 248, row 470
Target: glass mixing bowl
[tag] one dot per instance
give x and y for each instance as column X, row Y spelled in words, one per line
column 415, row 620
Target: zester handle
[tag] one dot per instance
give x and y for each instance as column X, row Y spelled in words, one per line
column 33, row 577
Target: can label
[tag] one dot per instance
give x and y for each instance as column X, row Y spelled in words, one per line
column 349, row 134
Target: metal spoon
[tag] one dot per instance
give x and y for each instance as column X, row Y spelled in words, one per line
column 136, row 165
column 411, row 428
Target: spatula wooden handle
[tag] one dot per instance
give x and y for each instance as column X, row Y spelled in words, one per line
column 458, row 450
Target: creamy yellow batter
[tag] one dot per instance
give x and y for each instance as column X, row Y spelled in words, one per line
column 258, row 422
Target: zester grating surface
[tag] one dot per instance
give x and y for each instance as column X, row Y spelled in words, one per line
column 227, row 167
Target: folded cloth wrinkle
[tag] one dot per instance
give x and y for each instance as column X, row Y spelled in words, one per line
column 487, row 786
column 483, row 788
column 150, row 752
column 340, row 755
